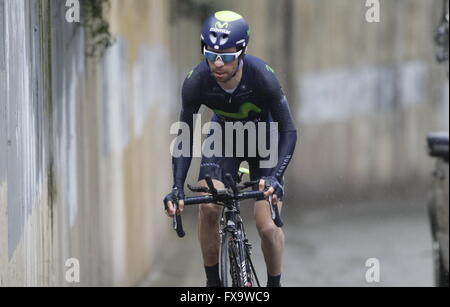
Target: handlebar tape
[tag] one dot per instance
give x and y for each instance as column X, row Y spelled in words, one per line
column 179, row 227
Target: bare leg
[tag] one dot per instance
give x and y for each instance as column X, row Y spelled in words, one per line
column 208, row 228
column 272, row 237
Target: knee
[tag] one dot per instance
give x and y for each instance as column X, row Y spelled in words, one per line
column 268, row 232
column 209, row 212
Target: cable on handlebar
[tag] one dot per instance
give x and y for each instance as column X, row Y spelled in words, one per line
column 231, row 184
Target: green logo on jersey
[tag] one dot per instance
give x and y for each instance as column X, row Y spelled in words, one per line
column 189, row 75
column 244, row 110
column 270, row 69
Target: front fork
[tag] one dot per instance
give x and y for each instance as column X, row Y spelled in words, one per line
column 247, row 251
column 232, row 223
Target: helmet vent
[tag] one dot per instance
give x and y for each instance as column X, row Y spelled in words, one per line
column 223, row 39
column 213, row 37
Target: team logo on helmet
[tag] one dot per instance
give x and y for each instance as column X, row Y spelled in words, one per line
column 221, row 25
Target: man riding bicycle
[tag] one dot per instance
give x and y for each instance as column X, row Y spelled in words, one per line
column 238, row 88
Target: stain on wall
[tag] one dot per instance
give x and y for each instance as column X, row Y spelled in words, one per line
column 342, row 94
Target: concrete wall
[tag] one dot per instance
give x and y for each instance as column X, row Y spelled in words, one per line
column 367, row 95
column 25, row 176
column 78, row 177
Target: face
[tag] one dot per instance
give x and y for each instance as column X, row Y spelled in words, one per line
column 223, row 71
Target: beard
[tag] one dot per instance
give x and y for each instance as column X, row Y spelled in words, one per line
column 225, row 76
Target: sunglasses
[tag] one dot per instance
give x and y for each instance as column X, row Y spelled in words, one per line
column 224, row 57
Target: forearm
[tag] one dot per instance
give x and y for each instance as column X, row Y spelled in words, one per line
column 286, row 147
column 181, row 163
column 180, row 168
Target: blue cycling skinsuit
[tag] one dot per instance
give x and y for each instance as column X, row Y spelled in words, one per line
column 258, row 98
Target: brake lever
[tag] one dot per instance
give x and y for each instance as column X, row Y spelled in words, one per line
column 275, row 212
column 174, row 222
column 177, row 221
column 272, row 212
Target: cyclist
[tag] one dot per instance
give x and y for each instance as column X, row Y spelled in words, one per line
column 237, row 87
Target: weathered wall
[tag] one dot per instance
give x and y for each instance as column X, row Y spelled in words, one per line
column 78, row 144
column 27, row 214
column 367, row 95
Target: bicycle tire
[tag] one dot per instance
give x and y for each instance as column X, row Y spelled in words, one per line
column 252, row 277
column 244, row 272
column 224, row 260
column 229, row 262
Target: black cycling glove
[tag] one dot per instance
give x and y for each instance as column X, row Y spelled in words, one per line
column 272, row 181
column 176, row 195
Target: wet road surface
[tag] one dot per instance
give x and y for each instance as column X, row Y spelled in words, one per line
column 327, row 246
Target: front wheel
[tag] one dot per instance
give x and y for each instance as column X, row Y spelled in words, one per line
column 230, row 260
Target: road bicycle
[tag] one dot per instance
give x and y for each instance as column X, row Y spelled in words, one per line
column 236, row 266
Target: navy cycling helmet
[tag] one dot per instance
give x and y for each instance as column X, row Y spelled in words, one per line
column 225, row 29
